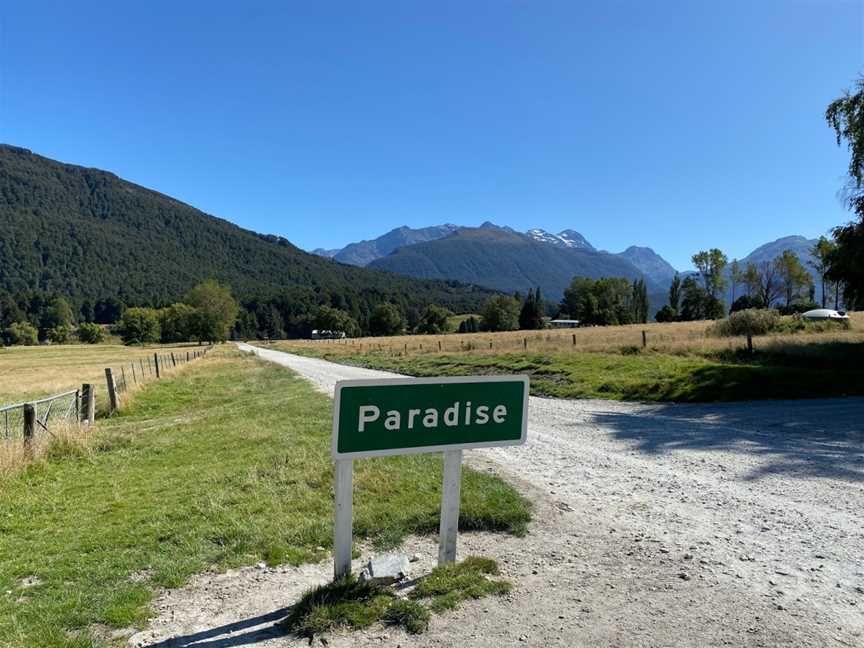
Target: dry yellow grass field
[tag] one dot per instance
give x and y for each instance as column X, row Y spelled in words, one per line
column 672, row 337
column 32, row 372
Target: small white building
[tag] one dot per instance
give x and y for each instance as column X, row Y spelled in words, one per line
column 564, row 323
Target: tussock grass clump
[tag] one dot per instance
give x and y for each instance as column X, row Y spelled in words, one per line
column 411, row 615
column 752, row 321
column 64, row 440
column 449, row 585
column 344, row 603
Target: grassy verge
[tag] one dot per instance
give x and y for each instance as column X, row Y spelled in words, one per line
column 819, row 369
column 225, row 464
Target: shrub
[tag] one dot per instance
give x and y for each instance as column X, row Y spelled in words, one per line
column 752, row 321
column 90, row 333
column 434, row 319
column 385, row 320
column 799, row 307
column 22, row 333
column 745, row 302
column 59, row 334
column 411, row 615
column 139, row 325
column 500, row 313
column 666, row 314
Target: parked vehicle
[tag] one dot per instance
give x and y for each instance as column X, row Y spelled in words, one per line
column 825, row 314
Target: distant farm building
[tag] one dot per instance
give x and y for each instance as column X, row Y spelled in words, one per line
column 564, row 323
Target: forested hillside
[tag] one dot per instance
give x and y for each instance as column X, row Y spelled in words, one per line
column 90, row 236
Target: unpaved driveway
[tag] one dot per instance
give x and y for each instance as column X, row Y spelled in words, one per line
column 656, row 525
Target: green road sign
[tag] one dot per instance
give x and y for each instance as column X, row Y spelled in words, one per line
column 408, row 415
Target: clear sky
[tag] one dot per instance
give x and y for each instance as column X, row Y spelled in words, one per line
column 678, row 125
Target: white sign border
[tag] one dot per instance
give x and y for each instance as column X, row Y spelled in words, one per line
column 383, row 382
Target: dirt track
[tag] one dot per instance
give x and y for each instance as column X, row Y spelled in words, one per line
column 656, row 525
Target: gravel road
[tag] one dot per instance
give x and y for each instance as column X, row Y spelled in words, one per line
column 656, row 525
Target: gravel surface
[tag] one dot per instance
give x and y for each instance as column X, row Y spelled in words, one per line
column 656, row 525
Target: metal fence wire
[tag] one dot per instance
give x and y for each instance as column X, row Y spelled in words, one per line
column 50, row 411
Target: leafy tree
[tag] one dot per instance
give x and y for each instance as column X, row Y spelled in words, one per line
column 675, row 293
column 58, row 313
column 333, row 319
column 697, row 303
column 605, row 301
column 22, row 333
column 531, row 315
column 845, row 116
column 822, row 252
column 434, row 319
column 108, row 311
column 764, row 283
column 710, row 265
column 90, row 333
column 737, row 277
column 745, row 302
column 794, row 278
column 385, row 320
column 10, row 312
column 666, row 314
column 59, row 334
column 216, row 310
column 177, row 323
column 500, row 313
column 139, row 326
column 469, row 325
column 640, row 302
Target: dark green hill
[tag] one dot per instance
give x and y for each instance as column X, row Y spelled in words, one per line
column 89, row 235
column 507, row 261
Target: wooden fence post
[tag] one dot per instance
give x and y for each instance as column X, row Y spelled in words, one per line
column 156, row 363
column 134, row 377
column 187, row 356
column 574, row 339
column 88, row 403
column 123, row 378
column 644, row 339
column 29, row 422
column 141, row 362
column 525, row 343
column 749, row 343
column 112, row 390
column 173, row 360
column 439, row 345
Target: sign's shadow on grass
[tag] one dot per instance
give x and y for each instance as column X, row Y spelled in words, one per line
column 806, row 439
column 216, row 637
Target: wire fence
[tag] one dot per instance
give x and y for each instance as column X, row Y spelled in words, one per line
column 23, row 421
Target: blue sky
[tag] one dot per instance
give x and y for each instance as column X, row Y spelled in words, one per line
column 679, row 125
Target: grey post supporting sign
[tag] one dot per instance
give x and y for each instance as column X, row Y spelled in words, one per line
column 376, row 418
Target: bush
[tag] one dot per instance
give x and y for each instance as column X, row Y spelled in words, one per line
column 753, row 321
column 500, row 313
column 139, row 325
column 59, row 334
column 798, row 307
column 22, row 333
column 469, row 325
column 666, row 314
column 385, row 320
column 433, row 320
column 745, row 302
column 89, row 333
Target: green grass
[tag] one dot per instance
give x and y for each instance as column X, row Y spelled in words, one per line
column 793, row 371
column 345, row 603
column 448, row 585
column 223, row 465
column 349, row 603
